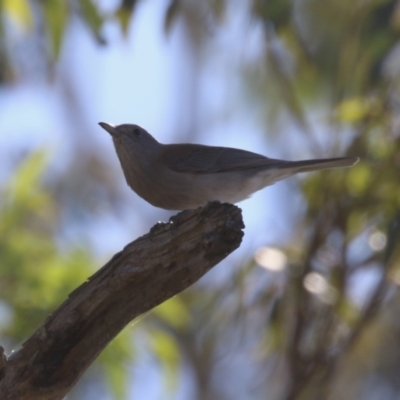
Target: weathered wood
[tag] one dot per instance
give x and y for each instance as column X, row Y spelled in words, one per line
column 145, row 273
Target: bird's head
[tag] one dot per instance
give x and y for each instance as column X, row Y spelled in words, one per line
column 131, row 140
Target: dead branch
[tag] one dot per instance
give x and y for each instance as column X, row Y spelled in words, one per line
column 148, row 271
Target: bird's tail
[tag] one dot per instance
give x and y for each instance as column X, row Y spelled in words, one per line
column 316, row 165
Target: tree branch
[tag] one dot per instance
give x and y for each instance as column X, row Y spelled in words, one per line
column 148, row 271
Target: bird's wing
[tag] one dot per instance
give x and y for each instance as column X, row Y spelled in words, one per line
column 193, row 158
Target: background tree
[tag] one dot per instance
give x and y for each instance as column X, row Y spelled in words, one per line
column 319, row 319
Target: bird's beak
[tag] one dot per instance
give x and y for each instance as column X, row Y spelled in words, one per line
column 111, row 129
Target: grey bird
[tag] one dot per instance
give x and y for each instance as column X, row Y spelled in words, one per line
column 186, row 176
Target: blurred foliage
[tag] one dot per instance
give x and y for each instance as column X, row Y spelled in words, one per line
column 339, row 58
column 36, row 276
column 28, row 219
column 319, row 320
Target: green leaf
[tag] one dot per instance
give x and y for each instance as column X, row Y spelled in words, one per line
column 352, row 110
column 35, row 277
column 19, row 11
column 175, row 312
column 23, row 188
column 358, row 178
column 114, row 360
column 92, row 18
column 56, row 14
column 166, row 349
column 356, row 223
column 124, row 14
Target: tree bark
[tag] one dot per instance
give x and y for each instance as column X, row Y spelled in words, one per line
column 148, row 271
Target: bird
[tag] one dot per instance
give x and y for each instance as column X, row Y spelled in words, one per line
column 187, row 176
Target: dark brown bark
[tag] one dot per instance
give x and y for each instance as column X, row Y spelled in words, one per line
column 145, row 273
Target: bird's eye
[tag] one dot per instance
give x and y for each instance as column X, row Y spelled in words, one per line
column 137, row 131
